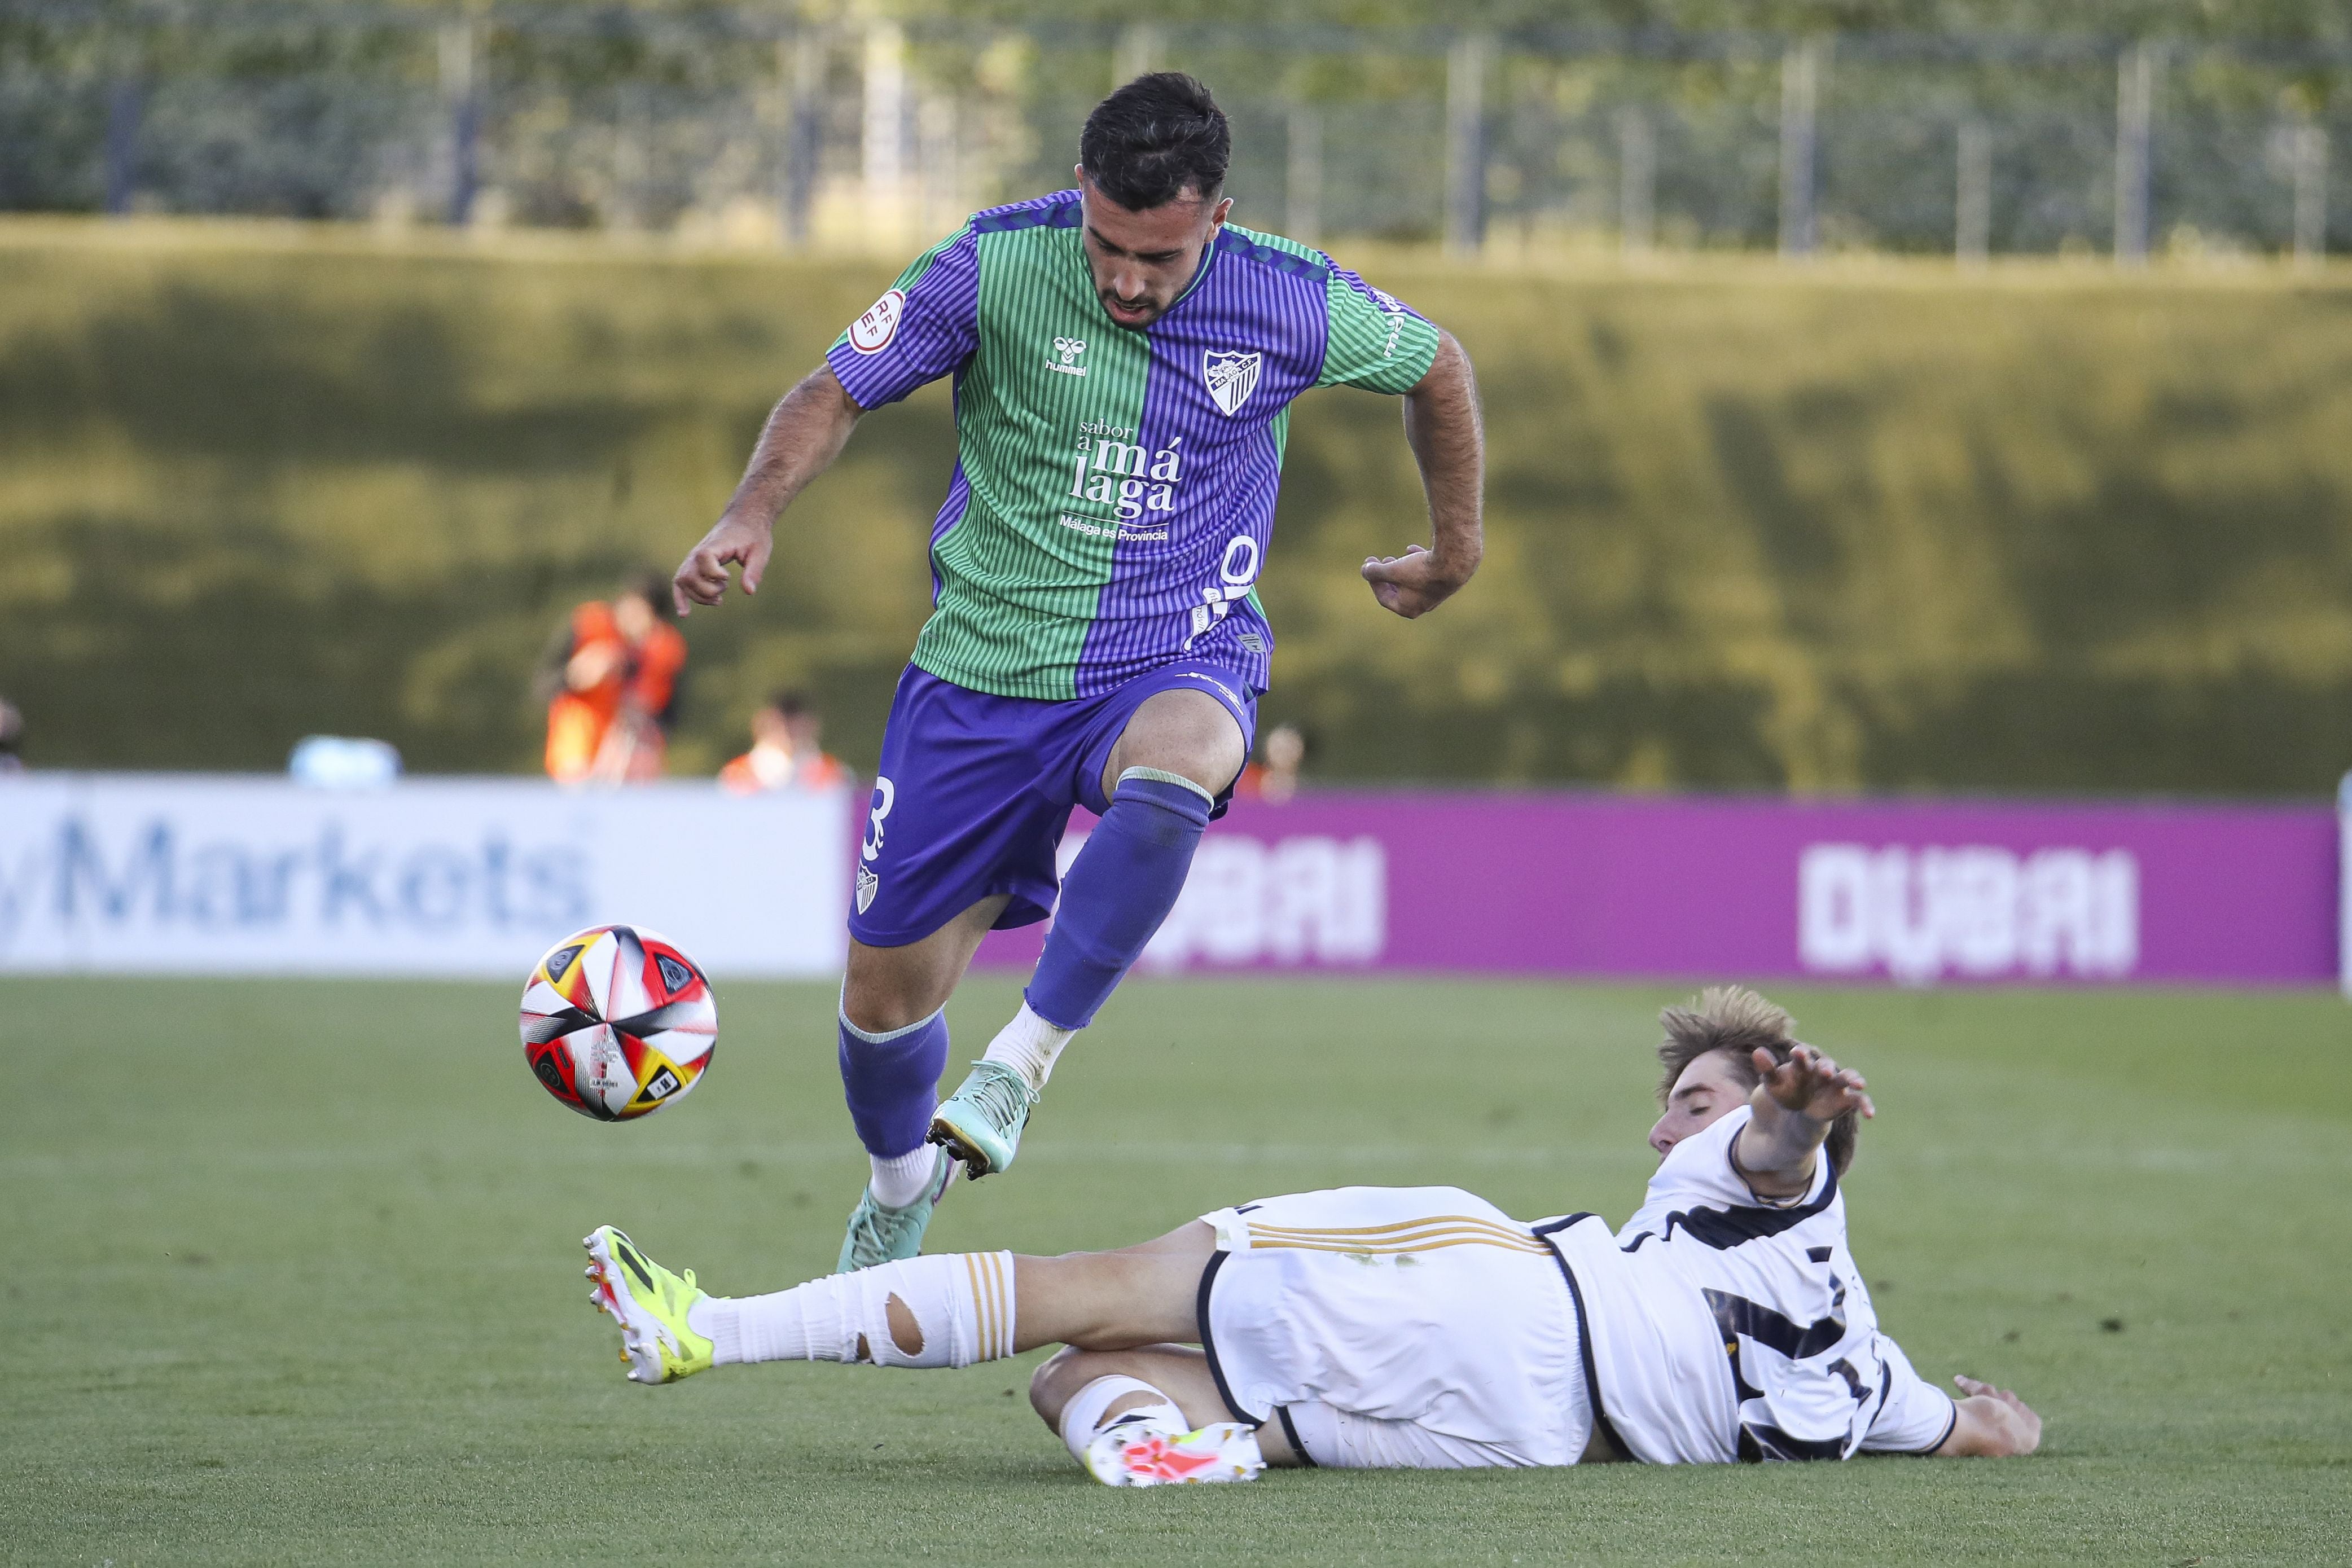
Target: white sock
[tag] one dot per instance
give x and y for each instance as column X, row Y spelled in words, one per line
column 1082, row 1418
column 1028, row 1045
column 900, row 1180
column 962, row 1301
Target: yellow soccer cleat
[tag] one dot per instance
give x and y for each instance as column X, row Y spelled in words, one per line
column 650, row 1303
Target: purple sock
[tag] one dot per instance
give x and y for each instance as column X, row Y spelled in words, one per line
column 1119, row 889
column 892, row 1082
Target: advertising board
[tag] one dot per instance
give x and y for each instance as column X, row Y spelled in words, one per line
column 181, row 874
column 190, row 873
column 1915, row 892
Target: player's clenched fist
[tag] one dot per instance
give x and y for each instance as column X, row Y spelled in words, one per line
column 733, row 540
column 1411, row 584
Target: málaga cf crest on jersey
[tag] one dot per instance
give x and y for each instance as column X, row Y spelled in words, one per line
column 1232, row 378
column 1113, row 501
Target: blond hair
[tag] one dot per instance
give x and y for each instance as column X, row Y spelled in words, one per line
column 1739, row 1022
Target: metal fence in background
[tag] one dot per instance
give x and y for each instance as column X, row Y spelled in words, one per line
column 755, row 127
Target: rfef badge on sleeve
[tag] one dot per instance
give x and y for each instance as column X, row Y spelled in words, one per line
column 871, row 333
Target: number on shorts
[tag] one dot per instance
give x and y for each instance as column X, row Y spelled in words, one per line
column 885, row 795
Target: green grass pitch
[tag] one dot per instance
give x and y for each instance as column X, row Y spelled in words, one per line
column 292, row 1275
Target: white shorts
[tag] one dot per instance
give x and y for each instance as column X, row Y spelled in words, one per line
column 1409, row 1327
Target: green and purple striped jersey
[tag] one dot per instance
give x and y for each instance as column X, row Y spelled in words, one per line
column 1113, row 497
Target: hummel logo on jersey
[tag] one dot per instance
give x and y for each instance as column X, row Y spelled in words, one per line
column 1070, row 349
column 1231, row 377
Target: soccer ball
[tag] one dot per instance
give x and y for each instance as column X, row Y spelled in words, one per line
column 617, row 1022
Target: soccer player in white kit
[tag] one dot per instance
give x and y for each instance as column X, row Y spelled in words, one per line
column 1422, row 1327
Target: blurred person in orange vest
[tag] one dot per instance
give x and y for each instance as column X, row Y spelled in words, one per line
column 1275, row 778
column 614, row 674
column 785, row 751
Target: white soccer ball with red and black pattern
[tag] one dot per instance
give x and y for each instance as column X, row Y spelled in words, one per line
column 618, row 1022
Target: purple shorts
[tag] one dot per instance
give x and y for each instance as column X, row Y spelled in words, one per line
column 975, row 791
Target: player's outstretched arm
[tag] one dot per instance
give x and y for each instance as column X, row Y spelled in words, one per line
column 1442, row 426
column 805, row 433
column 1792, row 1108
column 1991, row 1423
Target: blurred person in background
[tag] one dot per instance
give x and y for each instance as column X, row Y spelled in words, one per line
column 1273, row 777
column 815, row 768
column 785, row 751
column 12, row 736
column 611, row 677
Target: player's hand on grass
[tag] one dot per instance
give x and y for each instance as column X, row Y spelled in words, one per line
column 1992, row 1422
column 1411, row 584
column 1811, row 1084
column 734, row 539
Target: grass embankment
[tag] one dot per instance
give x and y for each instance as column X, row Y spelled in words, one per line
column 294, row 1277
column 1854, row 525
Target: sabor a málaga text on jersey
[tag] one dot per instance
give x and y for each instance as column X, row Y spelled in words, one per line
column 1727, row 1327
column 1113, row 497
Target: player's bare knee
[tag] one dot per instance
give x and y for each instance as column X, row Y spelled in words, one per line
column 879, row 1014
column 1189, row 734
column 875, row 1004
column 1057, row 1377
column 890, row 988
column 1208, row 751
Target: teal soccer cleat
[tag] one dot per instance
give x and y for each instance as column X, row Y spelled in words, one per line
column 879, row 1234
column 980, row 1122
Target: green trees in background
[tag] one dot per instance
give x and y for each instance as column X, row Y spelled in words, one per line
column 1844, row 527
column 1871, row 124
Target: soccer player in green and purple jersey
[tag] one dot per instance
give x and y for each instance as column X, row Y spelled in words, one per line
column 1124, row 361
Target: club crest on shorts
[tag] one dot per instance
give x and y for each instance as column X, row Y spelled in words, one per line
column 868, row 884
column 1231, row 377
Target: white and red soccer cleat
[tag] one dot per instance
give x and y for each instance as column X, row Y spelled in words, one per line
column 1141, row 1452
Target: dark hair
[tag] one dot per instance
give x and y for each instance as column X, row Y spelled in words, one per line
column 650, row 586
column 1738, row 1021
column 791, row 702
column 1160, row 135
column 12, row 727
